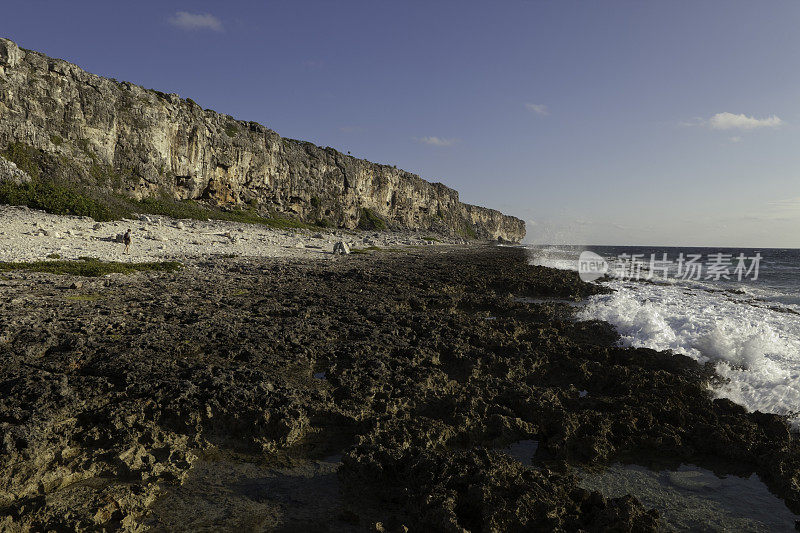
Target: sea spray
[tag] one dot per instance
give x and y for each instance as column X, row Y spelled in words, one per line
column 751, row 332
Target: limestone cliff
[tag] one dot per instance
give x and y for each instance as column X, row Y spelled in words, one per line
column 143, row 143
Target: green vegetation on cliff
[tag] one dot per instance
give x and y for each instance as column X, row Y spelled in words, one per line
column 54, row 198
column 370, row 221
column 27, row 158
column 62, row 197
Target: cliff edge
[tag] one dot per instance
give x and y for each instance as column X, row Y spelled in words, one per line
column 124, row 139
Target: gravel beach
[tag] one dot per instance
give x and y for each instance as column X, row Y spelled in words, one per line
column 31, row 235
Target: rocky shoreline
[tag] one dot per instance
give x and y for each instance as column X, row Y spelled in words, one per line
column 368, row 392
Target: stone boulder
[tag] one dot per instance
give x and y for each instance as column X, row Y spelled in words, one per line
column 341, row 248
column 10, row 172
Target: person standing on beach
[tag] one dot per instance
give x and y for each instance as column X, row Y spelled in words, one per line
column 126, row 240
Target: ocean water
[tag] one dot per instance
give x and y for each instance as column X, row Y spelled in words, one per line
column 688, row 497
column 691, row 498
column 749, row 328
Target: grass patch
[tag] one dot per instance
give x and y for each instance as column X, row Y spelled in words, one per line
column 431, row 239
column 366, row 250
column 370, row 221
column 231, row 130
column 54, row 256
column 90, row 267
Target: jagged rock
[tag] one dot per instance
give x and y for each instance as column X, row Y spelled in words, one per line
column 160, row 143
column 10, row 54
column 180, row 225
column 341, row 248
column 125, row 398
column 10, row 172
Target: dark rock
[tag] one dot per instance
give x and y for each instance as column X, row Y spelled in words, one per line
column 106, row 405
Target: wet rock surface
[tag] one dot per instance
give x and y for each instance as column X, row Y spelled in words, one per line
column 221, row 396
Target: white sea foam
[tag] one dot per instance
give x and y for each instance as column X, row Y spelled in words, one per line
column 561, row 257
column 757, row 349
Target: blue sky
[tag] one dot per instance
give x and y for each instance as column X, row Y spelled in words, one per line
column 602, row 122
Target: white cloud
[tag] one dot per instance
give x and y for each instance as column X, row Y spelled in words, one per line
column 539, row 109
column 736, row 139
column 729, row 121
column 195, row 21
column 436, row 141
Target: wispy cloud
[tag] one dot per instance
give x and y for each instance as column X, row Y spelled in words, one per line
column 730, row 121
column 539, row 109
column 696, row 121
column 736, row 139
column 436, row 141
column 195, row 21
column 790, row 204
column 783, row 210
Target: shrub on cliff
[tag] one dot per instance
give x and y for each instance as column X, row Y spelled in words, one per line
column 57, row 199
column 27, row 158
column 370, row 221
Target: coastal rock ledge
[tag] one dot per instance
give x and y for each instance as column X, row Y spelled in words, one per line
column 143, row 143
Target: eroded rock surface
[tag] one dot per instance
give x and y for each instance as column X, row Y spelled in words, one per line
column 219, row 396
column 143, row 143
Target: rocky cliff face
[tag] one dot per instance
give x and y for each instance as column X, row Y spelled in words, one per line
column 144, row 143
